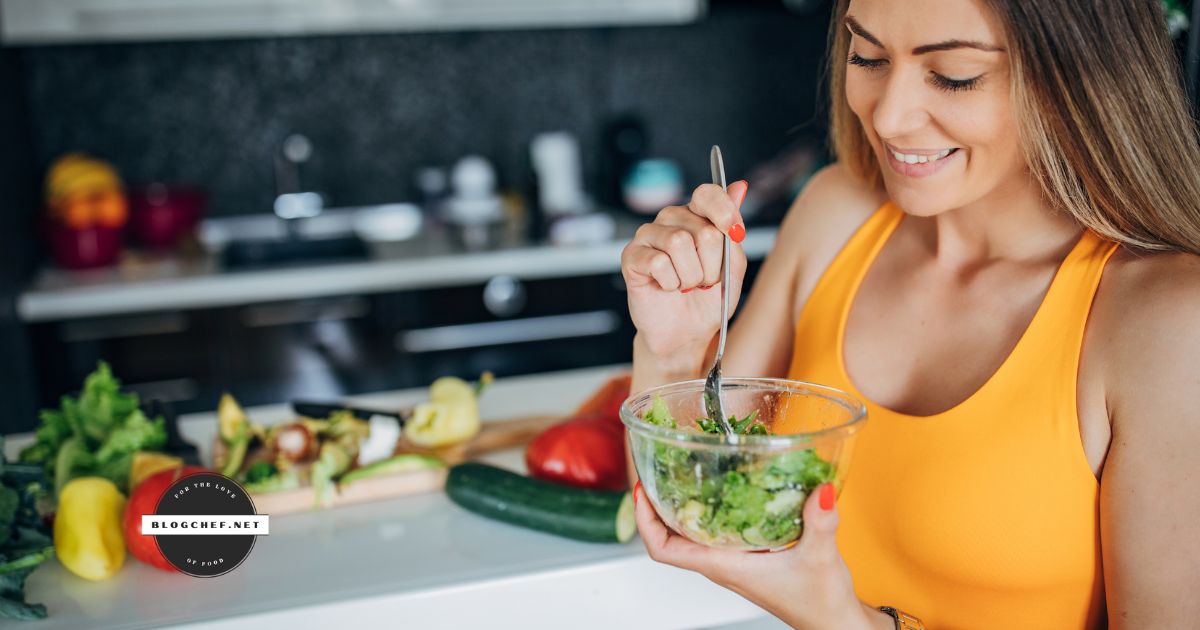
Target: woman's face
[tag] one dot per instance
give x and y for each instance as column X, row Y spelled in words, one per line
column 929, row 80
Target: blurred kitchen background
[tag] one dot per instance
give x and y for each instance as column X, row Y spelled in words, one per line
column 314, row 198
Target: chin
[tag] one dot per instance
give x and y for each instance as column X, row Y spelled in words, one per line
column 923, row 196
column 919, row 203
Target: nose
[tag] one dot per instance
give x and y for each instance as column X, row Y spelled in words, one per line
column 901, row 108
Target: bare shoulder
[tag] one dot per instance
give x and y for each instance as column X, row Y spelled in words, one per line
column 1148, row 308
column 1150, row 296
column 1147, row 325
column 824, row 215
column 833, row 198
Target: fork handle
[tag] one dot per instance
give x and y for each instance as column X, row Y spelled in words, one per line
column 724, row 298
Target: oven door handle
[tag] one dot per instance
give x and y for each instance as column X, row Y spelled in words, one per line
column 484, row 334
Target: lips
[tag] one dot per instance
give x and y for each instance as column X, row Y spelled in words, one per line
column 911, row 157
column 920, row 169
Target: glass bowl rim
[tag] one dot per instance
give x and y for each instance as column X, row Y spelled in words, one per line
column 856, row 407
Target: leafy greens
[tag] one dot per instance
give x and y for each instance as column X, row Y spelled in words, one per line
column 96, row 433
column 721, row 497
column 24, row 538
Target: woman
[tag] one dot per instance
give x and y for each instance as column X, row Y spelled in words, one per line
column 1002, row 266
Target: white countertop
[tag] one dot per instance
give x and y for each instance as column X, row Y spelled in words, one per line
column 414, row 562
column 172, row 284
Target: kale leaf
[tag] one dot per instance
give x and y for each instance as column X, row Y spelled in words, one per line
column 24, row 537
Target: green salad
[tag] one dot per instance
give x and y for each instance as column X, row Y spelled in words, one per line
column 725, row 499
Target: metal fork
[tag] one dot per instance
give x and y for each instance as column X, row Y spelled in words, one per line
column 713, row 403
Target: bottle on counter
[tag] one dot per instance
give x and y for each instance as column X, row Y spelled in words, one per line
column 474, row 207
column 566, row 208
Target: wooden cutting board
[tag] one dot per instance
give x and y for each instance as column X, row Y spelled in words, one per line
column 494, row 436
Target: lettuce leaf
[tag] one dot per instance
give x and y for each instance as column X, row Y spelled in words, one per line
column 659, row 414
column 744, row 426
column 95, row 433
column 135, row 432
column 101, row 405
column 724, row 496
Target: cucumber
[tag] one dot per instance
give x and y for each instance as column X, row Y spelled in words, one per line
column 578, row 513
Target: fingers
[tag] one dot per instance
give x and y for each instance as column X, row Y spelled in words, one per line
column 661, row 543
column 642, row 264
column 737, row 193
column 682, row 249
column 708, row 240
column 818, row 542
column 721, row 207
column 680, row 246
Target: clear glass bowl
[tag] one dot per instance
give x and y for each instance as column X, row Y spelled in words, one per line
column 748, row 492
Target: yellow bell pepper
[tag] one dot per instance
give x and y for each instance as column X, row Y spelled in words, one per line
column 451, row 415
column 87, row 528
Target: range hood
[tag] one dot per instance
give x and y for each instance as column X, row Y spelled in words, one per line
column 31, row 22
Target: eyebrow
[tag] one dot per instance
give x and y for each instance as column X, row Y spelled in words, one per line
column 950, row 44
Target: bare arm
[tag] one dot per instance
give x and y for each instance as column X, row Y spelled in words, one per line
column 824, row 215
column 1149, row 499
column 831, row 206
column 821, row 219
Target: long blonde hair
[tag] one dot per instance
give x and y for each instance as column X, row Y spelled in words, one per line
column 1104, row 122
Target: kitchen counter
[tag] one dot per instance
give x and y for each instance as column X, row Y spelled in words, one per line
column 172, row 283
column 416, row 562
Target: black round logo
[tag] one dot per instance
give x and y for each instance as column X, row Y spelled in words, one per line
column 205, row 524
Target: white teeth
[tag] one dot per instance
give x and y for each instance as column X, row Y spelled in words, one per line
column 909, row 158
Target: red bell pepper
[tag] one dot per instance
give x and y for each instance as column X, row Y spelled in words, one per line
column 588, row 452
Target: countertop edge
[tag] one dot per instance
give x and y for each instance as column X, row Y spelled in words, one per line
column 629, row 592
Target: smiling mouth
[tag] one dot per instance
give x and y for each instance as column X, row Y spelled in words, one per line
column 920, row 158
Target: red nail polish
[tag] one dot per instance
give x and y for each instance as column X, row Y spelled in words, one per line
column 737, row 232
column 707, row 287
column 636, row 488
column 826, row 497
column 685, row 290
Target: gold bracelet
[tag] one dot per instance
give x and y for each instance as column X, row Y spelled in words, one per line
column 904, row 621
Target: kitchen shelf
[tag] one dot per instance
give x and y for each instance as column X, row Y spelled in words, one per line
column 173, row 285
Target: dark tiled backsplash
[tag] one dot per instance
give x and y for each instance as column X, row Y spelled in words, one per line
column 378, row 106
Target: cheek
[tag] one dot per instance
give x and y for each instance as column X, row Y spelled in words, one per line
column 986, row 125
column 1008, row 139
column 861, row 98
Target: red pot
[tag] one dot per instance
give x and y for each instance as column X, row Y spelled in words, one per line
column 85, row 248
column 161, row 215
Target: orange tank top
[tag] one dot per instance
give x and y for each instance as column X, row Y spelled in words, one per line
column 984, row 515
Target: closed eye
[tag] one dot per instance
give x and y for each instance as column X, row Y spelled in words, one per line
column 939, row 81
column 871, row 64
column 954, row 85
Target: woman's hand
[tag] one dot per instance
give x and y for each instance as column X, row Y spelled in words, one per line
column 671, row 263
column 807, row 586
